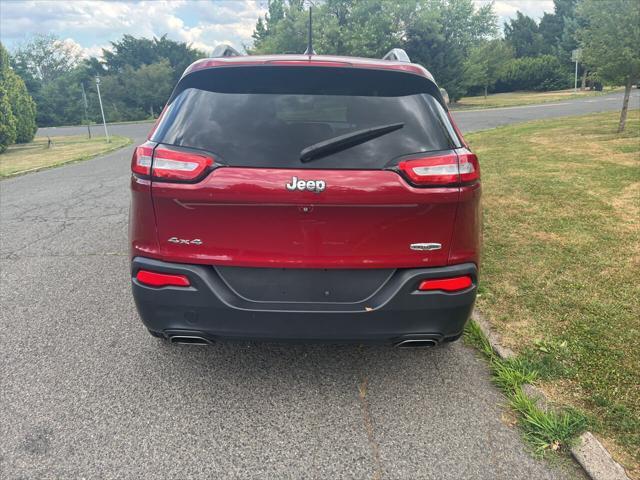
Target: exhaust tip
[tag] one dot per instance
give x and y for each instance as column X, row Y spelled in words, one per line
column 189, row 340
column 417, row 343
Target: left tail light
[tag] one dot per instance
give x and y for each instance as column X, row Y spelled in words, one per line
column 168, row 164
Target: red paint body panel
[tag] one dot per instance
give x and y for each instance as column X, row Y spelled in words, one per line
column 143, row 237
column 246, row 217
column 467, row 233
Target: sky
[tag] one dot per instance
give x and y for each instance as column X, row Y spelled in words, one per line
column 92, row 24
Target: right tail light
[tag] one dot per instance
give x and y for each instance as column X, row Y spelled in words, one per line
column 451, row 169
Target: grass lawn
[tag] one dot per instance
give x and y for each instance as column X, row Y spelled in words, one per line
column 561, row 263
column 513, row 99
column 35, row 156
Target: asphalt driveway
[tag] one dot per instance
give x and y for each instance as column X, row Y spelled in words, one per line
column 86, row 393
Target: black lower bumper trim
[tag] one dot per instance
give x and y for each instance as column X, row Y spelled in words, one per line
column 396, row 311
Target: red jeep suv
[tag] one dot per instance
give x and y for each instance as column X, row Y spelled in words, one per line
column 307, row 198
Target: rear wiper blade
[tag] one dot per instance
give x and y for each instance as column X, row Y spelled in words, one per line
column 348, row 140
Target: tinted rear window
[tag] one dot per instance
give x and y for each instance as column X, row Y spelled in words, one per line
column 265, row 116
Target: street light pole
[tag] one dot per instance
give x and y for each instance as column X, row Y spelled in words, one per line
column 104, row 122
column 576, row 56
column 86, row 115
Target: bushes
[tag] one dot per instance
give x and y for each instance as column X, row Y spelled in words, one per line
column 17, row 109
column 533, row 73
column 23, row 108
column 7, row 121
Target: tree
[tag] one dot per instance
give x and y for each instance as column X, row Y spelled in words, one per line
column 340, row 27
column 7, row 121
column 550, row 27
column 440, row 34
column 436, row 33
column 135, row 52
column 46, row 57
column 150, row 85
column 22, row 106
column 42, row 63
column 610, row 41
column 524, row 36
column 486, row 63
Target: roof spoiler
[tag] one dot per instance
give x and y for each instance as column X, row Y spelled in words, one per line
column 224, row 50
column 397, row 54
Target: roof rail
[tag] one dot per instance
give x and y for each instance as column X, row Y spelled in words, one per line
column 224, row 50
column 397, row 54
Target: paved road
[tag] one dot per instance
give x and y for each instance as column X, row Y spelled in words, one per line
column 474, row 120
column 86, row 393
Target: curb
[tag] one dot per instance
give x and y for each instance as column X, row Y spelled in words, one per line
column 590, row 454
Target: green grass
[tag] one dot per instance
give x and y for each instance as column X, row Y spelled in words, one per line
column 38, row 155
column 513, row 99
column 547, row 431
column 561, row 262
column 552, row 431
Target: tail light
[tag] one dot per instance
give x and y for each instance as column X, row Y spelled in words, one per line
column 157, row 279
column 179, row 165
column 141, row 160
column 169, row 164
column 452, row 284
column 469, row 166
column 442, row 170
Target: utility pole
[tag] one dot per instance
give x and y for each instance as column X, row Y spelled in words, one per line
column 104, row 122
column 86, row 115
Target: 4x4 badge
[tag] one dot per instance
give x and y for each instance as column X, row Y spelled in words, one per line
column 184, row 241
column 311, row 185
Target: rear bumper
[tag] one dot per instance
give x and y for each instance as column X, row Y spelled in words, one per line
column 396, row 311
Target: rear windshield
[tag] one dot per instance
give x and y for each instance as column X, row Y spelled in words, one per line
column 266, row 116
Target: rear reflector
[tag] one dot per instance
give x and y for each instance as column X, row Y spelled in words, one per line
column 446, row 284
column 157, row 279
column 442, row 170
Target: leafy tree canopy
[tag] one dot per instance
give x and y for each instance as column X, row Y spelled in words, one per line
column 524, row 36
column 21, row 113
column 610, row 40
column 46, row 58
column 436, row 33
column 135, row 52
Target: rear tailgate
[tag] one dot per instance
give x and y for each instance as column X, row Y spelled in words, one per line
column 263, row 205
